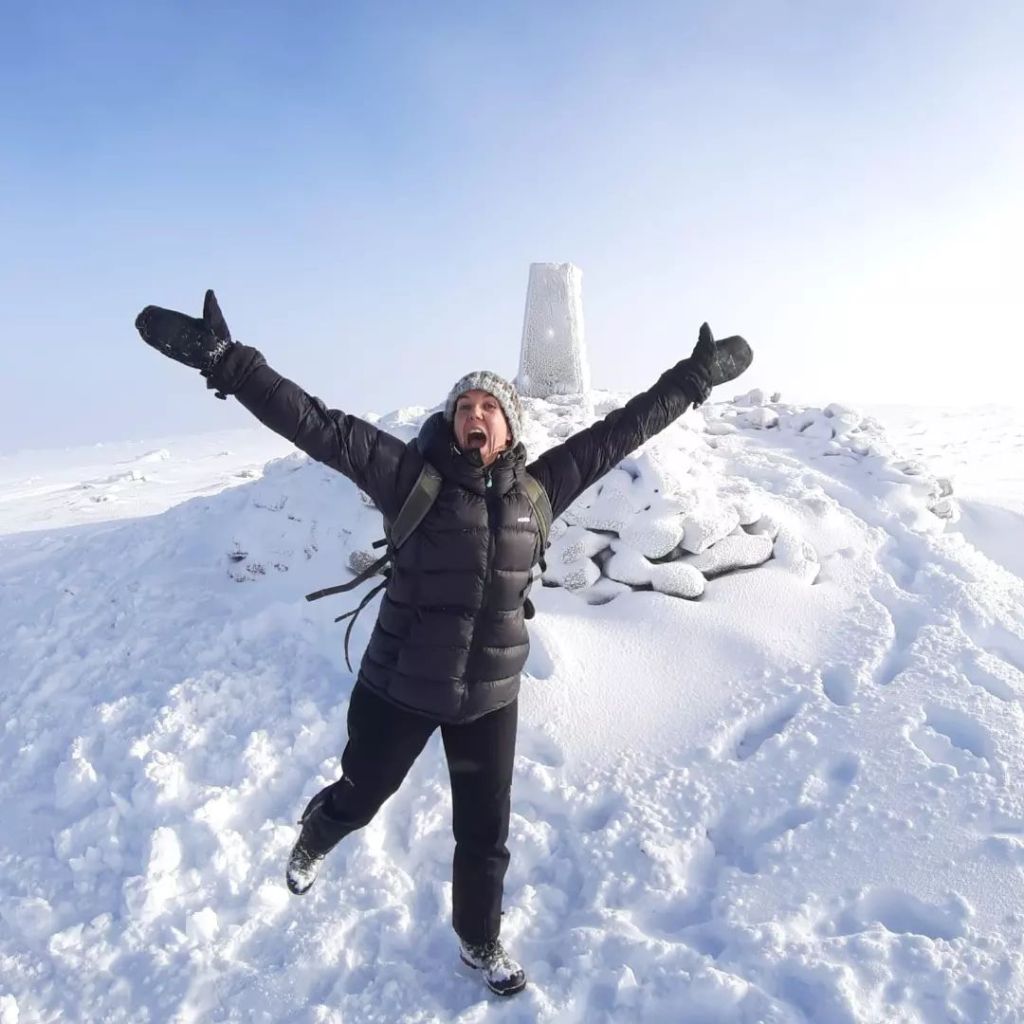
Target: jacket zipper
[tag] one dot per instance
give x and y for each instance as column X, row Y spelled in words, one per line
column 492, row 521
column 489, row 566
column 491, row 545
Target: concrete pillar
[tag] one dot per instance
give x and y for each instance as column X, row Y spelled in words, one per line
column 553, row 358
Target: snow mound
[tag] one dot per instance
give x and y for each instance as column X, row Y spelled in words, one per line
column 840, row 431
column 775, row 791
column 667, row 513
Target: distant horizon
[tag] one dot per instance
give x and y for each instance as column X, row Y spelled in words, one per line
column 250, row 425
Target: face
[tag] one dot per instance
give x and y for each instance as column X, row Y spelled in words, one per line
column 480, row 425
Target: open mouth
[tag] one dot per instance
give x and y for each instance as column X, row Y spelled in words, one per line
column 476, row 438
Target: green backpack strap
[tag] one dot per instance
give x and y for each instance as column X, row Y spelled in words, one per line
column 541, row 507
column 423, row 494
column 542, row 510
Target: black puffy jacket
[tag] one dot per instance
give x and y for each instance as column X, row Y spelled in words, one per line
column 450, row 639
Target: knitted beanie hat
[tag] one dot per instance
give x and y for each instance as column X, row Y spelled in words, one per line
column 503, row 391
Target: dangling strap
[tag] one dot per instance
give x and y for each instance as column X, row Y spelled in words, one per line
column 355, row 612
column 369, row 571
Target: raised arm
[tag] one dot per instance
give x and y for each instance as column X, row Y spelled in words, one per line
column 568, row 469
column 372, row 458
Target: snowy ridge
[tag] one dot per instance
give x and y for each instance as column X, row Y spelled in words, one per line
column 794, row 799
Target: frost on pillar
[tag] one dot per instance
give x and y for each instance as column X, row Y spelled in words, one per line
column 553, row 360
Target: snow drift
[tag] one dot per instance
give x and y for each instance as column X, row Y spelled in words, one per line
column 769, row 765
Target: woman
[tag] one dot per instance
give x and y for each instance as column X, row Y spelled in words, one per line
column 450, row 639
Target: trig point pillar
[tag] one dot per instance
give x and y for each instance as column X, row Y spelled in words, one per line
column 553, row 358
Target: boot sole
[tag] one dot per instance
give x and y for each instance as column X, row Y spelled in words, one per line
column 294, row 889
column 496, row 991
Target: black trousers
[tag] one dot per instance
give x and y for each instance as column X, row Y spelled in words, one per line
column 383, row 743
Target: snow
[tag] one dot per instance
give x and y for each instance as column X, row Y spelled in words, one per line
column 552, row 356
column 784, row 794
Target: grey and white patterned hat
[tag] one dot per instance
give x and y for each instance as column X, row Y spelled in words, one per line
column 503, row 391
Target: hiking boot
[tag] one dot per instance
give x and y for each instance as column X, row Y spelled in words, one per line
column 320, row 833
column 503, row 975
column 303, row 867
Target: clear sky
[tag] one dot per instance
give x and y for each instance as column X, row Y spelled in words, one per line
column 366, row 184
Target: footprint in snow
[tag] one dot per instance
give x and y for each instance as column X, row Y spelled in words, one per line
column 839, row 684
column 741, row 845
column 1006, row 845
column 997, row 676
column 902, row 913
column 761, row 728
column 948, row 736
column 598, row 815
column 535, row 746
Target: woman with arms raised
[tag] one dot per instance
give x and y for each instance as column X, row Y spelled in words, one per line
column 450, row 639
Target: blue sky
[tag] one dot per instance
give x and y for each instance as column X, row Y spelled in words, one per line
column 366, row 184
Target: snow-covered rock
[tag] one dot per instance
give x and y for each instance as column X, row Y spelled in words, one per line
column 677, row 579
column 653, row 536
column 748, row 508
column 707, row 525
column 758, row 418
column 844, row 419
column 611, row 506
column 766, row 525
column 576, row 576
column 737, row 551
column 627, row 565
column 795, row 554
column 569, row 558
column 755, row 397
column 574, row 545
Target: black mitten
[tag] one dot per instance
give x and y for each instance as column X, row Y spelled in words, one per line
column 694, row 374
column 196, row 343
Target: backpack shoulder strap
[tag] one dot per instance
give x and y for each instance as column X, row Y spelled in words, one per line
column 423, row 494
column 541, row 507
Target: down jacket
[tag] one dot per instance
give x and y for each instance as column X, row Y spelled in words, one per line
column 450, row 639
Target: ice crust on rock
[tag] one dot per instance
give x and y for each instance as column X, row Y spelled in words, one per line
column 627, row 565
column 737, row 551
column 578, row 576
column 653, row 536
column 767, row 525
column 574, row 545
column 569, row 558
column 708, row 525
column 609, row 505
column 553, row 358
column 678, row 579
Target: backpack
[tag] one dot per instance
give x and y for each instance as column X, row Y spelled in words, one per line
column 396, row 533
